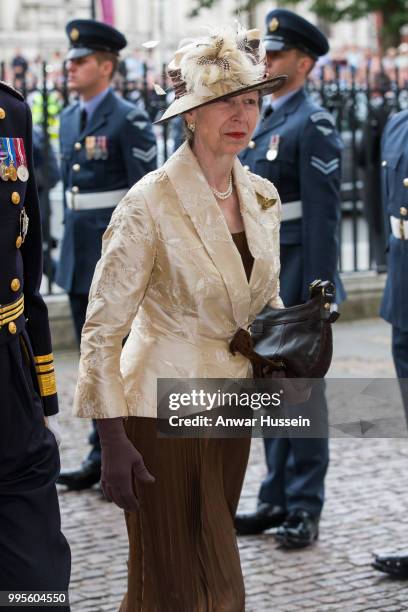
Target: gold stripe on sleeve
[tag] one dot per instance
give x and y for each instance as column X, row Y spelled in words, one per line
column 47, row 384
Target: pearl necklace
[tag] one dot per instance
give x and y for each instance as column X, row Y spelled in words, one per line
column 223, row 195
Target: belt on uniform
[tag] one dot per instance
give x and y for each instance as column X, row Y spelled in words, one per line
column 9, row 313
column 91, row 201
column 399, row 228
column 291, row 210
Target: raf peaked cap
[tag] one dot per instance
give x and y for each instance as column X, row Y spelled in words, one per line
column 87, row 36
column 286, row 30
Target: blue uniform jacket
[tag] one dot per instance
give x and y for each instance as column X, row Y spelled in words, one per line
column 21, row 264
column 131, row 153
column 306, row 168
column 394, row 306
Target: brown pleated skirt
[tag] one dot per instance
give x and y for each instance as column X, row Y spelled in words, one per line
column 183, row 553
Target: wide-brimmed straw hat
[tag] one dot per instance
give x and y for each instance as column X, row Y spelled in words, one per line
column 225, row 63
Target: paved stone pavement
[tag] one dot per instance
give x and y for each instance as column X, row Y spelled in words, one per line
column 366, row 510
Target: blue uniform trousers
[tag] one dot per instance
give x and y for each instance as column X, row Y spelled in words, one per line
column 34, row 553
column 400, row 355
column 296, row 466
column 79, row 303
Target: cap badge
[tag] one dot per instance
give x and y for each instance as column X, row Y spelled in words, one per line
column 74, row 34
column 273, row 24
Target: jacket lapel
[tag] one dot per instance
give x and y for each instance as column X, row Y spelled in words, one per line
column 201, row 206
column 279, row 116
column 100, row 115
column 69, row 129
column 259, row 224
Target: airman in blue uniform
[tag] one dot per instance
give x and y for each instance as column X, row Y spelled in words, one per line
column 297, row 147
column 394, row 306
column 34, row 554
column 107, row 145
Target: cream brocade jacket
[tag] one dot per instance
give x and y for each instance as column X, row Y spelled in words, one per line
column 172, row 275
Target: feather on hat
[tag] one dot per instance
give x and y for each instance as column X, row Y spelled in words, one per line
column 225, row 63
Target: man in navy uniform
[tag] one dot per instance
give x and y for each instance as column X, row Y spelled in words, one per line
column 107, row 145
column 297, row 147
column 394, row 306
column 34, row 554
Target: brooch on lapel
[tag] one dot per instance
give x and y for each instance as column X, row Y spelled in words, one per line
column 265, row 203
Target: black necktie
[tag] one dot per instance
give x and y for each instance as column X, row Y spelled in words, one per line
column 83, row 120
column 267, row 111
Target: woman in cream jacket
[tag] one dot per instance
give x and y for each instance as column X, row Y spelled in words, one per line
column 190, row 256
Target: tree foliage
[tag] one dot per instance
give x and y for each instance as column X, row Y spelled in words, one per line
column 394, row 12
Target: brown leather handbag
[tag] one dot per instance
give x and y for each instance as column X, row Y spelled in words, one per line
column 296, row 342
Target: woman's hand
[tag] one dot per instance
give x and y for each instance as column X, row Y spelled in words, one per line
column 121, row 463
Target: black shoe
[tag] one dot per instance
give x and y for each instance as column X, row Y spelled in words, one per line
column 394, row 565
column 299, row 530
column 265, row 517
column 76, row 480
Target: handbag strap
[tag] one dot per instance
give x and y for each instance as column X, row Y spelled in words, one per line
column 242, row 343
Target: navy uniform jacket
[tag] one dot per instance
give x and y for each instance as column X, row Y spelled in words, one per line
column 131, row 153
column 21, row 262
column 306, row 169
column 394, row 307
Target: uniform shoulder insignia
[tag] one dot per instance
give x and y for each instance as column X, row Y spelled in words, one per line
column 137, row 118
column 10, row 89
column 325, row 167
column 145, row 155
column 322, row 115
column 324, row 130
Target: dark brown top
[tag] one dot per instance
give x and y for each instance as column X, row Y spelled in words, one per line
column 242, row 245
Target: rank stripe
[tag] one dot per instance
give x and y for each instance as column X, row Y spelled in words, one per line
column 12, row 311
column 144, row 155
column 44, row 358
column 325, row 166
column 44, row 368
column 12, row 317
column 47, row 384
column 323, row 163
column 330, row 165
column 325, row 169
column 12, row 306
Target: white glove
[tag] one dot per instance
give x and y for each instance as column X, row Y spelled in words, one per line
column 52, row 423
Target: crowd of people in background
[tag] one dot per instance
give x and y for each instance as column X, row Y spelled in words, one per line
column 139, row 72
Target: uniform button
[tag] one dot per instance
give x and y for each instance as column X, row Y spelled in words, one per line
column 2, row 113
column 15, row 197
column 19, row 241
column 15, row 284
column 12, row 327
column 384, row 163
column 77, row 146
column 251, row 144
column 404, row 211
column 75, row 189
column 405, row 181
column 76, row 167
